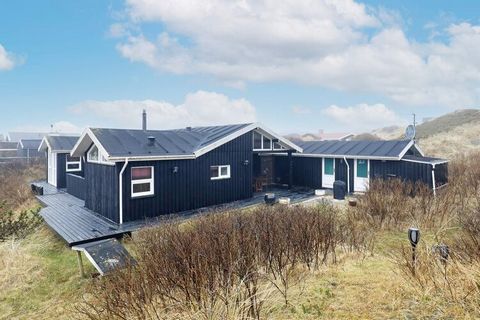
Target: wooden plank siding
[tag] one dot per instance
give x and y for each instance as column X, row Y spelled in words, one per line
column 191, row 187
column 405, row 170
column 76, row 186
column 101, row 193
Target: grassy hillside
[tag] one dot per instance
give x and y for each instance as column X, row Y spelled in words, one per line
column 448, row 122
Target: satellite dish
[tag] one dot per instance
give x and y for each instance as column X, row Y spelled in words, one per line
column 410, row 132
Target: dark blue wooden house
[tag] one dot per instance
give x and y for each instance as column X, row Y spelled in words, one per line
column 60, row 164
column 357, row 162
column 136, row 174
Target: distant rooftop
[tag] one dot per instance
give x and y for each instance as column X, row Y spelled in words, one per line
column 17, row 136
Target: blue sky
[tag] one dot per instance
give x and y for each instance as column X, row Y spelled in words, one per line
column 296, row 67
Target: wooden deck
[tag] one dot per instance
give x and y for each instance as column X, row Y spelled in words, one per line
column 69, row 218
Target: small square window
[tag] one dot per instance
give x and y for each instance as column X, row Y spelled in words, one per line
column 220, row 172
column 142, row 181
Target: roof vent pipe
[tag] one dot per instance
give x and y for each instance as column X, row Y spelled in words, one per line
column 144, row 120
column 189, row 128
column 151, row 141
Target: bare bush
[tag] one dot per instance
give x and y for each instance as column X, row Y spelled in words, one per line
column 14, row 189
column 218, row 266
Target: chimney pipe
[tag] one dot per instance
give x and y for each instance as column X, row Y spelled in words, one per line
column 144, row 120
column 151, row 141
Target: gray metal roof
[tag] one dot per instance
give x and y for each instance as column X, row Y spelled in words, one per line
column 17, row 136
column 8, row 145
column 126, row 142
column 373, row 149
column 30, row 143
column 62, row 143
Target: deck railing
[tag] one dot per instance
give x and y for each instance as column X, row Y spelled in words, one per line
column 76, row 186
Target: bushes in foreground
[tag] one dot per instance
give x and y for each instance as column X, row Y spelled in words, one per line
column 222, row 265
column 14, row 226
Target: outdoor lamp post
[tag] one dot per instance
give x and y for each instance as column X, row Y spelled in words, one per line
column 414, row 237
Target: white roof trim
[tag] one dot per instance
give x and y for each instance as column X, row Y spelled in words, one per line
column 44, row 145
column 20, row 144
column 280, row 138
column 313, row 155
column 426, row 162
column 87, row 133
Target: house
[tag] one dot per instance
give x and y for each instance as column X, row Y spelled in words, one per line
column 17, row 136
column 357, row 162
column 8, row 149
column 57, row 150
column 28, row 148
column 135, row 174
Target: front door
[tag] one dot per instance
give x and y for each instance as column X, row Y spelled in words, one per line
column 328, row 172
column 52, row 168
column 362, row 172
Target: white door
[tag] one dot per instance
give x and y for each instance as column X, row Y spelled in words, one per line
column 52, row 168
column 362, row 173
column 328, row 172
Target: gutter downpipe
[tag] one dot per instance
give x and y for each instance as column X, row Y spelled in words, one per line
column 120, row 190
column 433, row 180
column 348, row 174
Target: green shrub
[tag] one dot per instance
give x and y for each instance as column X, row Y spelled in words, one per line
column 13, row 225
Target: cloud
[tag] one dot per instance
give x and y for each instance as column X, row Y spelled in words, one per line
column 59, row 127
column 7, row 60
column 340, row 45
column 199, row 108
column 363, row 117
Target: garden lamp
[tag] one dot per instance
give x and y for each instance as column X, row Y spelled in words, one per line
column 414, row 236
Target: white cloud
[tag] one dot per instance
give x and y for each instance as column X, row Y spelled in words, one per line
column 199, row 108
column 363, row 117
column 7, row 61
column 59, row 127
column 334, row 44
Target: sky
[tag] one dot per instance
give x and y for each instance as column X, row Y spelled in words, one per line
column 294, row 65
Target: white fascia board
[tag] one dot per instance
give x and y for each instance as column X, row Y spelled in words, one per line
column 151, row 158
column 20, row 144
column 426, row 162
column 44, row 145
column 405, row 150
column 84, row 142
column 341, row 156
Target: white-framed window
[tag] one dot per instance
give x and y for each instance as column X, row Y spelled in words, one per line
column 262, row 142
column 73, row 164
column 94, row 155
column 142, row 181
column 220, row 172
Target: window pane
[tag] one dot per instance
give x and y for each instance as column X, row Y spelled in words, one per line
column 362, row 169
column 141, row 187
column 93, row 154
column 267, row 143
column 224, row 171
column 328, row 166
column 257, row 140
column 214, row 172
column 141, row 173
column 73, row 159
column 277, row 145
column 73, row 166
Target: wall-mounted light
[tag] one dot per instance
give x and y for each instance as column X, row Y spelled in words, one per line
column 246, row 162
column 175, row 169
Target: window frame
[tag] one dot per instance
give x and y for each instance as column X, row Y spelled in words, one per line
column 367, row 165
column 101, row 158
column 151, row 181
column 262, row 147
column 79, row 162
column 220, row 176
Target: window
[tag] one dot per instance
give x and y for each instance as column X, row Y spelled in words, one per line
column 142, row 181
column 328, row 169
column 362, row 168
column 92, row 155
column 73, row 164
column 267, row 143
column 277, row 146
column 262, row 142
column 257, row 140
column 219, row 172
